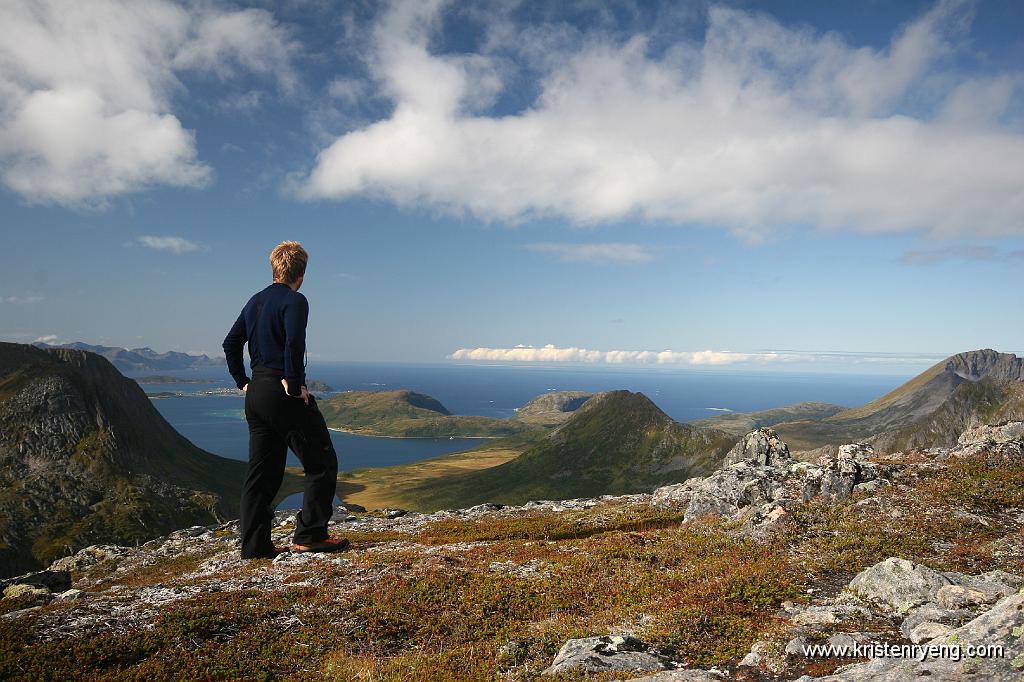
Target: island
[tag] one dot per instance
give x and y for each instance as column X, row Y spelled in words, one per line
column 165, row 379
column 407, row 414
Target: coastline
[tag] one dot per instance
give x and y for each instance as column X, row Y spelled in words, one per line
column 376, row 435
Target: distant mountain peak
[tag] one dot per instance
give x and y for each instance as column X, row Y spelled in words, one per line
column 142, row 359
column 975, row 365
column 928, row 410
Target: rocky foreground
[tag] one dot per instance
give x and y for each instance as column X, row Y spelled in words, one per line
column 740, row 575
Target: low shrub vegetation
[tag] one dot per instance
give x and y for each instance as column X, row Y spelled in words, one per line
column 495, row 597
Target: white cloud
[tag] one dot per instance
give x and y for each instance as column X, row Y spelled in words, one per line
column 757, row 127
column 49, row 338
column 86, row 91
column 248, row 40
column 168, row 243
column 552, row 353
column 596, row 253
column 22, row 299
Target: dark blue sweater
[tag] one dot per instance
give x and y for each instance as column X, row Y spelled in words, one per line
column 280, row 341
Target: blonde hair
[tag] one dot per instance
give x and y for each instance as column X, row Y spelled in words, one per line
column 288, row 260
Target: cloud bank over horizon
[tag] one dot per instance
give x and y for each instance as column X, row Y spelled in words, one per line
column 755, row 127
column 552, row 353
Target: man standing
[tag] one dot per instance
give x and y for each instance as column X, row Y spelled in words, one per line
column 281, row 413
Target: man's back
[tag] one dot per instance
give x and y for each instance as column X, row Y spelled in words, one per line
column 273, row 322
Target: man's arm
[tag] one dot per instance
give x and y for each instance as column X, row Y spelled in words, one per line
column 233, row 344
column 296, row 313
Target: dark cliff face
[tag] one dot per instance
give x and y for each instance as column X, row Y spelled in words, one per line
column 86, row 458
column 977, row 364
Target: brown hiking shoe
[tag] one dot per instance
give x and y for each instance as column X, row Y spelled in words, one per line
column 328, row 545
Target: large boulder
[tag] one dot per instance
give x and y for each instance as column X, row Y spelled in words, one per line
column 897, row 585
column 90, row 556
column 761, row 446
column 604, row 654
column 1002, row 440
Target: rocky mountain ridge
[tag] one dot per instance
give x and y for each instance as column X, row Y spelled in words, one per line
column 931, row 409
column 142, row 359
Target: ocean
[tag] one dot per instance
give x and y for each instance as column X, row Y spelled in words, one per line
column 217, row 423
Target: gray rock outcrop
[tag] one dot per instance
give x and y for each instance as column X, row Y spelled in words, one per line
column 761, row 446
column 604, row 654
column 898, row 585
column 765, row 491
column 686, row 675
column 1001, row 626
column 944, row 614
column 992, row 434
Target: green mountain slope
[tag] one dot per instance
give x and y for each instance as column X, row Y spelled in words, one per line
column 85, row 458
column 617, row 442
column 739, row 423
column 929, row 410
column 407, row 414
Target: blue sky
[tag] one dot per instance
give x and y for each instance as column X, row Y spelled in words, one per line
column 765, row 181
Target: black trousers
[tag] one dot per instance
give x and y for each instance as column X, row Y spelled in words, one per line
column 277, row 422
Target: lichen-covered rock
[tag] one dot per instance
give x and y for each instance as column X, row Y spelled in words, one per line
column 761, row 446
column 927, row 631
column 72, row 595
column 959, row 597
column 992, row 434
column 89, row 556
column 1005, row 440
column 760, row 488
column 766, row 656
column 829, row 614
column 931, row 613
column 603, row 654
column 39, row 595
column 994, row 585
column 684, row 675
column 1002, row 626
column 898, row 585
column 847, row 469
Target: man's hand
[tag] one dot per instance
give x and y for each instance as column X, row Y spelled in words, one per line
column 304, row 393
column 245, row 389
